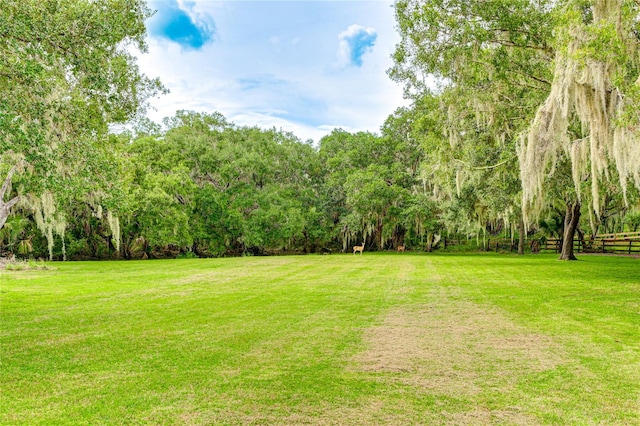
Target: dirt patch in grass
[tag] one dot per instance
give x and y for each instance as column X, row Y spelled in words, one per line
column 484, row 416
column 455, row 348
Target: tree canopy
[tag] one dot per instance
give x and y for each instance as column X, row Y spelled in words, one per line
column 66, row 74
column 524, row 113
column 555, row 83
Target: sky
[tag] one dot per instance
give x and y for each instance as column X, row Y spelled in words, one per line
column 306, row 67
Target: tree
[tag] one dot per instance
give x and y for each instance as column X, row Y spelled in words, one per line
column 502, row 60
column 460, row 43
column 209, row 187
column 413, row 132
column 16, row 235
column 66, row 74
column 375, row 203
column 489, row 60
column 366, row 180
column 591, row 111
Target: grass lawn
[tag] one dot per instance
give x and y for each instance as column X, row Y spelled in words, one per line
column 341, row 339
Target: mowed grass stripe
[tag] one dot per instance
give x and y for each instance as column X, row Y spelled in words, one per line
column 290, row 340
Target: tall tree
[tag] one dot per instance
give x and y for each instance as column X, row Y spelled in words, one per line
column 591, row 112
column 66, row 73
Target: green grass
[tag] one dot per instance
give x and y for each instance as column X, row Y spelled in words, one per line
column 341, row 339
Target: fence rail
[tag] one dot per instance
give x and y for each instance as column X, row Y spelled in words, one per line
column 628, row 243
column 618, row 235
column 619, row 243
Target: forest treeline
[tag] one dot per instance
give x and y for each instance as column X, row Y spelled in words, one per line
column 203, row 186
column 524, row 122
column 206, row 187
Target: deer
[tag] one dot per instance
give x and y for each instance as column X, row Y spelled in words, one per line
column 358, row 248
column 400, row 249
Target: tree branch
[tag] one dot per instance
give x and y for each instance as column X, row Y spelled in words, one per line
column 533, row 77
column 6, row 184
column 493, row 166
column 4, row 209
column 12, row 202
column 544, row 48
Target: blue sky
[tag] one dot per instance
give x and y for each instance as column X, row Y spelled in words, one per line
column 303, row 66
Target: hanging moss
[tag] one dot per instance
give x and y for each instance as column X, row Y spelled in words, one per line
column 48, row 220
column 584, row 91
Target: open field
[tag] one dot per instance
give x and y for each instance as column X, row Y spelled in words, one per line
column 341, row 339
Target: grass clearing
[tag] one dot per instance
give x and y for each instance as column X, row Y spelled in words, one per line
column 341, row 339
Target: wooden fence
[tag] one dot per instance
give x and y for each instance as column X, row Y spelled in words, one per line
column 620, row 243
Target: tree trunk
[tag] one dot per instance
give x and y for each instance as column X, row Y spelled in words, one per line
column 429, row 241
column 521, row 236
column 6, row 207
column 571, row 219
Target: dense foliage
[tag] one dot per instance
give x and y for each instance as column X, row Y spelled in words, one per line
column 206, row 187
column 66, row 73
column 499, row 140
column 551, row 83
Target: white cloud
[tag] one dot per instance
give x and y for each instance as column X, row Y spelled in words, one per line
column 353, row 43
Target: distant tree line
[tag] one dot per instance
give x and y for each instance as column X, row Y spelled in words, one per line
column 524, row 122
column 206, row 187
